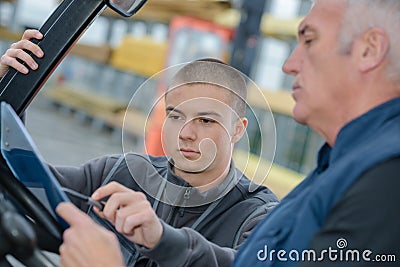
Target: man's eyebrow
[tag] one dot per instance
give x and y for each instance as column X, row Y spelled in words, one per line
column 208, row 113
column 171, row 108
column 303, row 29
column 202, row 113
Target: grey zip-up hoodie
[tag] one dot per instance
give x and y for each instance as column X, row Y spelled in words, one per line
column 200, row 228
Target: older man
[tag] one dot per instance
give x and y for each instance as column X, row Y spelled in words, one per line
column 346, row 88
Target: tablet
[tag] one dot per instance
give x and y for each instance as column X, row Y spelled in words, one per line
column 26, row 163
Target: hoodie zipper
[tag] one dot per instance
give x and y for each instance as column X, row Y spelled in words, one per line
column 186, row 197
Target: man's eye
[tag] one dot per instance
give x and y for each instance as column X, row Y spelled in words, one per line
column 206, row 120
column 307, row 41
column 173, row 116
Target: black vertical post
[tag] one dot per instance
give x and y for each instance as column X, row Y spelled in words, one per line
column 247, row 35
column 244, row 51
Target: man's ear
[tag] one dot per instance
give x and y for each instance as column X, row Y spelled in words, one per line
column 239, row 129
column 372, row 49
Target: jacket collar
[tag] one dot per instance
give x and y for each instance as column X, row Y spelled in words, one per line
column 187, row 195
column 356, row 131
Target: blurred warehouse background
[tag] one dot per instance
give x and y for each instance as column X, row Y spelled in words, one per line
column 79, row 113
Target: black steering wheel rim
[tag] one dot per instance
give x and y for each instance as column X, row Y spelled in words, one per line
column 31, row 205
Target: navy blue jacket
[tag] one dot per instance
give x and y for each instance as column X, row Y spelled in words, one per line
column 362, row 144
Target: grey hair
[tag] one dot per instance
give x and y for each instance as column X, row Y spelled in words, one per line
column 361, row 15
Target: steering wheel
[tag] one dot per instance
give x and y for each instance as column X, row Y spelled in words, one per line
column 23, row 240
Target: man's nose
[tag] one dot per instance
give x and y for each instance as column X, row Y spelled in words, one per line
column 292, row 63
column 188, row 131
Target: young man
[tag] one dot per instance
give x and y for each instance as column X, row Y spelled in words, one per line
column 346, row 88
column 193, row 206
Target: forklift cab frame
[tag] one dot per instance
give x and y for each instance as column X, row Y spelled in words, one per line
column 60, row 32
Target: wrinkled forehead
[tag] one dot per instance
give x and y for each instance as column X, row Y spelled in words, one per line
column 322, row 14
column 330, row 6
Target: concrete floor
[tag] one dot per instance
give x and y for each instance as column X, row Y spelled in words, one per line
column 63, row 139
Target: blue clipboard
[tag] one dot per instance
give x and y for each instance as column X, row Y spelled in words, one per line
column 26, row 163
